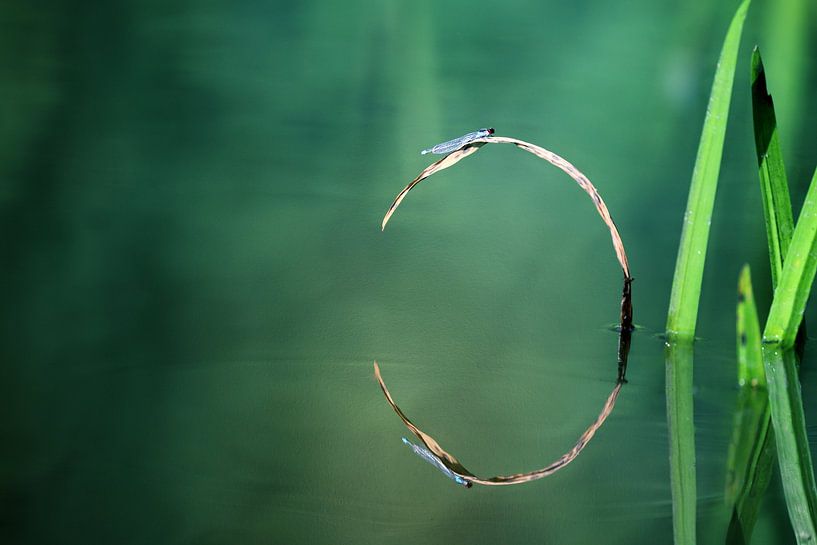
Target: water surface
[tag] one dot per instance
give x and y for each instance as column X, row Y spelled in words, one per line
column 196, row 284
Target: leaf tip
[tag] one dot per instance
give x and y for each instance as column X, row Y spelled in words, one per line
column 757, row 65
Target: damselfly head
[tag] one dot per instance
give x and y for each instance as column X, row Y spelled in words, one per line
column 491, row 130
column 463, row 482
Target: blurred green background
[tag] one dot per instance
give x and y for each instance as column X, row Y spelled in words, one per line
column 195, row 283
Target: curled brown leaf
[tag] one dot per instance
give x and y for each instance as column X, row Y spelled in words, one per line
column 456, row 467
column 547, row 155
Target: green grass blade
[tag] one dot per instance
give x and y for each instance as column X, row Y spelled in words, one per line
column 796, row 278
column 785, row 399
column 678, row 356
column 750, row 359
column 686, row 288
column 774, row 188
column 794, row 458
column 689, row 267
column 751, row 457
column 751, row 462
column 748, row 483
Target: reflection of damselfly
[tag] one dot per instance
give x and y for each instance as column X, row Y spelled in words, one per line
column 426, row 455
column 457, row 143
column 433, row 453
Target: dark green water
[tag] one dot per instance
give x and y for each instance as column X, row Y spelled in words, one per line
column 195, row 283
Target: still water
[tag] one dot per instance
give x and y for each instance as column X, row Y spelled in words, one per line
column 195, row 283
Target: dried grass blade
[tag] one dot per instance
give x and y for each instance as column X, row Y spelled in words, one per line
column 552, row 158
column 447, row 161
column 448, row 459
column 502, row 480
column 584, row 182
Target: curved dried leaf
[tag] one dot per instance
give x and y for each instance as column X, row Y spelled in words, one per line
column 456, row 467
column 447, row 161
column 552, row 158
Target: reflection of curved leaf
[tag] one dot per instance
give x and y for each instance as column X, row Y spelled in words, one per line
column 449, row 461
column 550, row 157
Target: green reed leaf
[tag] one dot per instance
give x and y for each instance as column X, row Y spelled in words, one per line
column 750, row 359
column 750, row 462
column 689, row 267
column 774, row 187
column 794, row 458
column 785, row 398
column 796, row 278
column 678, row 359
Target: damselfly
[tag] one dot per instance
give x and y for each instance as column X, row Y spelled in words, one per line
column 457, row 143
column 429, row 457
